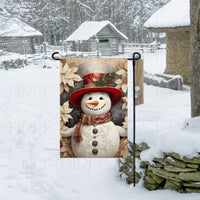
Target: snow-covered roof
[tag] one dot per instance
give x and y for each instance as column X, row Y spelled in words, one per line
column 174, row 14
column 89, row 29
column 13, row 27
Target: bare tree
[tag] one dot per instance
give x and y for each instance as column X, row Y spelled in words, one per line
column 58, row 19
column 195, row 57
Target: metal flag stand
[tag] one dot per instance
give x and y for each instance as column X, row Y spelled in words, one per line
column 136, row 56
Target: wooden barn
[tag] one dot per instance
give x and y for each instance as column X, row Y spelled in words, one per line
column 174, row 20
column 92, row 36
column 15, row 35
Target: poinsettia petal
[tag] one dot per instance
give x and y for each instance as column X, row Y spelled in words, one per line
column 61, row 88
column 66, row 88
column 74, row 69
column 124, row 88
column 64, row 149
column 69, row 110
column 65, row 119
column 61, row 79
column 61, row 124
column 118, row 81
column 70, row 83
column 70, row 76
column 66, row 105
column 61, row 109
column 77, row 77
column 68, row 116
column 124, row 106
column 66, row 67
column 120, row 72
column 65, row 80
column 118, row 86
column 125, row 125
column 124, row 99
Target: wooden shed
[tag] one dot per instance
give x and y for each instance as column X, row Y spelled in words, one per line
column 15, row 35
column 174, row 19
column 100, row 36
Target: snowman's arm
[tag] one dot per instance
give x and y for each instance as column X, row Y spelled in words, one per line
column 122, row 132
column 70, row 131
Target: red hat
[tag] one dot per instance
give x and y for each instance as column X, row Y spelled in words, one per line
column 90, row 86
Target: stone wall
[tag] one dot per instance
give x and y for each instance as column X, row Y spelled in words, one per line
column 126, row 164
column 178, row 54
column 172, row 172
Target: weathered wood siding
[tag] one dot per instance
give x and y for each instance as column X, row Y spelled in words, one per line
column 86, row 46
column 178, row 54
column 91, row 45
column 139, row 82
column 17, row 45
column 113, row 39
column 106, row 32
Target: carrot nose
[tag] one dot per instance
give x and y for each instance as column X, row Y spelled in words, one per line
column 95, row 102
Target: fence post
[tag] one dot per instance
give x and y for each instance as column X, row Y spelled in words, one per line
column 65, row 47
column 98, row 53
column 123, row 46
column 45, row 44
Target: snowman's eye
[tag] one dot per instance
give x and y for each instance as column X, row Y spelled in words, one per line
column 90, row 98
column 101, row 98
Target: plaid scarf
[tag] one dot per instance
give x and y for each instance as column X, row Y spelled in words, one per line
column 89, row 120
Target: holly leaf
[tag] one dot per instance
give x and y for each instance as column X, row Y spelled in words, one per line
column 113, row 74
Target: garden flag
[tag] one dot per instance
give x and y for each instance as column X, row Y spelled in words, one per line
column 93, row 107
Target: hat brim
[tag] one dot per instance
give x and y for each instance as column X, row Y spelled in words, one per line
column 114, row 93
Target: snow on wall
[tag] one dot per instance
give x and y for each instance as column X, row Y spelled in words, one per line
column 89, row 29
column 13, row 27
column 174, row 14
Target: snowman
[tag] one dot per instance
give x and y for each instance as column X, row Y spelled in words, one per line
column 95, row 135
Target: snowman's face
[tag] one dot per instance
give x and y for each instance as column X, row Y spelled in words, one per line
column 96, row 103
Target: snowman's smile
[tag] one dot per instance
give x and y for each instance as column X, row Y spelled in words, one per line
column 95, row 109
column 96, row 103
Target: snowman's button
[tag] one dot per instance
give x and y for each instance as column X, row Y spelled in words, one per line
column 95, row 151
column 94, row 143
column 95, row 131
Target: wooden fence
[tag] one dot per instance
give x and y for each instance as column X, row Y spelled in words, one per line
column 145, row 48
column 122, row 49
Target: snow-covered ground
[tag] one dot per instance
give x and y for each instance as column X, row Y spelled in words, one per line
column 30, row 167
column 155, row 62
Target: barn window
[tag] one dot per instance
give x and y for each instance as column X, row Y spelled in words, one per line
column 102, row 41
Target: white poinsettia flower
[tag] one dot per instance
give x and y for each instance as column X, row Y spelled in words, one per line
column 125, row 104
column 64, row 112
column 125, row 123
column 122, row 83
column 67, row 77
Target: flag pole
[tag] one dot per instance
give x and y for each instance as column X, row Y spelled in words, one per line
column 136, row 56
